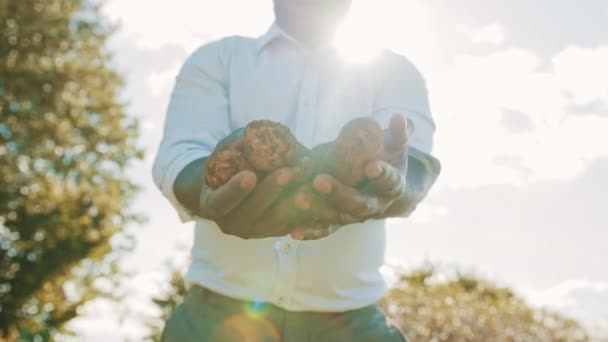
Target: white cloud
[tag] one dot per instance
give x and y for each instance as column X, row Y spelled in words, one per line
column 425, row 213
column 491, row 34
column 470, row 96
column 100, row 321
column 564, row 294
column 583, row 72
column 584, row 300
column 160, row 82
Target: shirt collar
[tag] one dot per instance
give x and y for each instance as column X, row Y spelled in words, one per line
column 276, row 32
column 273, row 33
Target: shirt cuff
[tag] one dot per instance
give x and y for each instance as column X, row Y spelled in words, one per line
column 168, row 181
column 431, row 164
column 418, row 185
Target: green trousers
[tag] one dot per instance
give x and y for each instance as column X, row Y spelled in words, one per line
column 208, row 316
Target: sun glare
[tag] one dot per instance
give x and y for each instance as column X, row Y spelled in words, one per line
column 354, row 38
column 373, row 25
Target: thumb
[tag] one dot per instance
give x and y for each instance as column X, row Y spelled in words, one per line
column 397, row 133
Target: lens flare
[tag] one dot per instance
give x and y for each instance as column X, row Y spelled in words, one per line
column 249, row 325
column 256, row 309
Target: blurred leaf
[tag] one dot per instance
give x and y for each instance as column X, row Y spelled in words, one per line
column 166, row 303
column 65, row 143
column 468, row 308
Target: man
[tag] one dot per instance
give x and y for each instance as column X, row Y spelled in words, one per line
column 254, row 277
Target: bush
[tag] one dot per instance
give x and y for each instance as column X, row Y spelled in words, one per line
column 466, row 308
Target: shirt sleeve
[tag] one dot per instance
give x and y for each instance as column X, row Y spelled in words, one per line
column 402, row 90
column 197, row 118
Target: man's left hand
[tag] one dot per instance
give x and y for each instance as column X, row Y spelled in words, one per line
column 386, row 183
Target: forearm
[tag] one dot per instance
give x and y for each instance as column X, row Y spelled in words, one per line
column 189, row 182
column 188, row 185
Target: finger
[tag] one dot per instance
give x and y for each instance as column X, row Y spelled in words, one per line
column 252, row 212
column 265, row 194
column 302, row 200
column 315, row 208
column 345, row 198
column 385, row 179
column 397, row 133
column 316, row 234
column 283, row 215
column 319, row 231
column 218, row 202
column 313, row 232
column 299, row 233
column 320, row 211
column 305, row 165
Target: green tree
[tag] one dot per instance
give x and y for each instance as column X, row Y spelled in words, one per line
column 65, row 143
column 166, row 303
column 432, row 308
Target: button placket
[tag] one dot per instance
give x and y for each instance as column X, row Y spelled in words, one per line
column 306, row 100
column 286, row 255
column 306, row 103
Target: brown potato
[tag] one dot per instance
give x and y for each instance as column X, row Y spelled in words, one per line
column 263, row 147
column 268, row 145
column 359, row 142
column 223, row 165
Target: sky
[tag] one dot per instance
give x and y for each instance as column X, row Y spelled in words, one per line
column 519, row 93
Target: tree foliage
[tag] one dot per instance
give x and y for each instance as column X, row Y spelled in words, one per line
column 65, row 143
column 466, row 308
column 166, row 303
column 429, row 308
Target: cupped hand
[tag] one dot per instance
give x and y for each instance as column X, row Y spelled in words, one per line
column 385, row 183
column 249, row 208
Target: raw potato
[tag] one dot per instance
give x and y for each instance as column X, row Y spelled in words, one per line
column 359, row 142
column 222, row 165
column 268, row 145
column 263, row 147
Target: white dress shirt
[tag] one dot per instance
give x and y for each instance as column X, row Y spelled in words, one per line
column 226, row 84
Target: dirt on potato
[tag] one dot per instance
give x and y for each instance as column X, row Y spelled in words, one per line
column 268, row 145
column 263, row 147
column 222, row 165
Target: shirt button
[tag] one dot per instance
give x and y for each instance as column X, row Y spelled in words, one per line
column 281, row 300
column 285, row 248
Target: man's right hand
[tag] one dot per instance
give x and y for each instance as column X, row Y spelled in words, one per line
column 246, row 208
